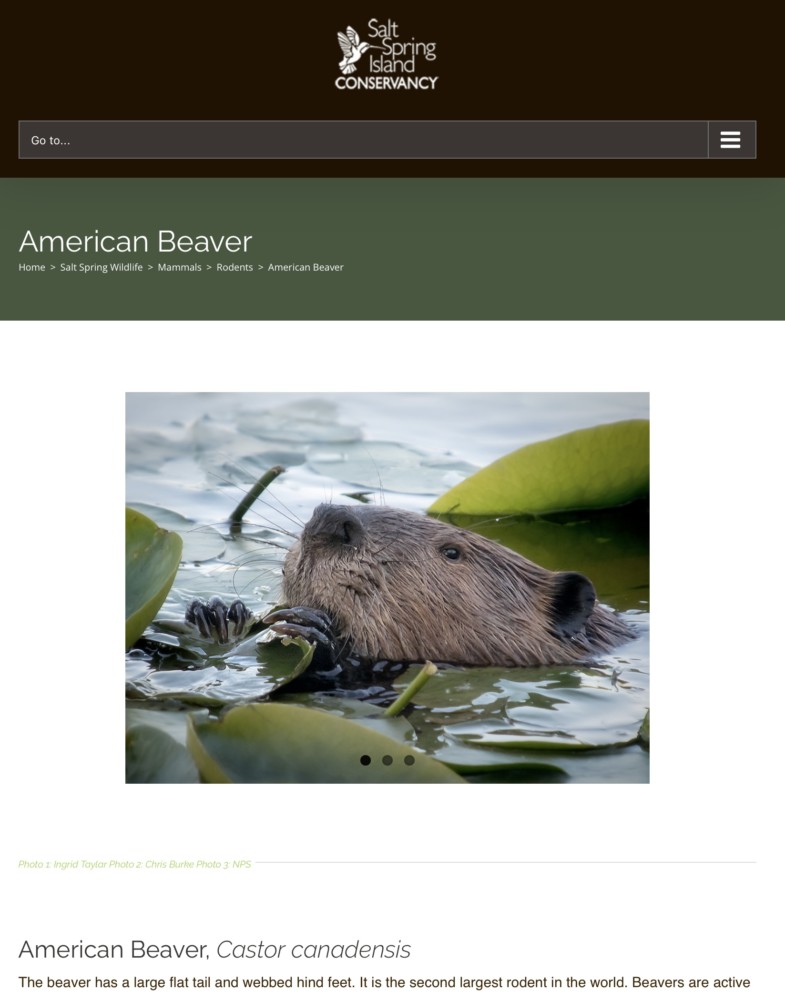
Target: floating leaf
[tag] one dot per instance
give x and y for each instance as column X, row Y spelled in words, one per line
column 395, row 467
column 280, row 743
column 156, row 751
column 306, row 420
column 587, row 469
column 643, row 732
column 251, row 672
column 152, row 556
column 611, row 547
column 173, row 724
column 200, row 541
column 147, row 451
column 476, row 760
column 153, row 757
column 362, row 712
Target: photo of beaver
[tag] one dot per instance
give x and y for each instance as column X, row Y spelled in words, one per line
column 316, row 594
column 376, row 583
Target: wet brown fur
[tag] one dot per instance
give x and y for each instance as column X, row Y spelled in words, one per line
column 383, row 577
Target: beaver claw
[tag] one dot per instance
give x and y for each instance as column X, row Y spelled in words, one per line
column 307, row 623
column 214, row 620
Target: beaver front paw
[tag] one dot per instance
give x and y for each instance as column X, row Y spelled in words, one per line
column 305, row 623
column 217, row 622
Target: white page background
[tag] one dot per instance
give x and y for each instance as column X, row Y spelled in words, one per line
column 665, row 879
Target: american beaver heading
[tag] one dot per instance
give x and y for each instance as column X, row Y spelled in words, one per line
column 377, row 583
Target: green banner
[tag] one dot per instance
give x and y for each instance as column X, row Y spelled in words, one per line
column 234, row 249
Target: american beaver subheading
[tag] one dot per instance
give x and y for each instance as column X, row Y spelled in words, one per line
column 377, row 583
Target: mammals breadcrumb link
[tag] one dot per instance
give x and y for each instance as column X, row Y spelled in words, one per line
column 397, row 585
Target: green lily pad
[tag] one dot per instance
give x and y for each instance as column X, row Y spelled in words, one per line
column 588, row 469
column 173, row 724
column 474, row 760
column 156, row 751
column 252, row 672
column 152, row 556
column 302, row 421
column 643, row 732
column 361, row 712
column 153, row 757
column 200, row 541
column 611, row 547
column 406, row 470
column 282, row 743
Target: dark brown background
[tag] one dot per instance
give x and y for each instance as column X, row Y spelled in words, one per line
column 546, row 61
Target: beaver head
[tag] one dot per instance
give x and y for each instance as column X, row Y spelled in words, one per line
column 402, row 586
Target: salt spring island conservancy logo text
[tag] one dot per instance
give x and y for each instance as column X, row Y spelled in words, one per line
column 383, row 60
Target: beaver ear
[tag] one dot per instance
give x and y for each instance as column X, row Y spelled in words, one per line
column 572, row 601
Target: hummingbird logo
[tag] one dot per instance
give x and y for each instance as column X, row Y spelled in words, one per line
column 352, row 49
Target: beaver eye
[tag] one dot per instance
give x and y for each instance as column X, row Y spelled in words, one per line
column 450, row 552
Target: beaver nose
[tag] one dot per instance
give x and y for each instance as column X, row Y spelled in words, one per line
column 335, row 525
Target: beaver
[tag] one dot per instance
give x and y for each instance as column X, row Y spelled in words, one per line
column 377, row 583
